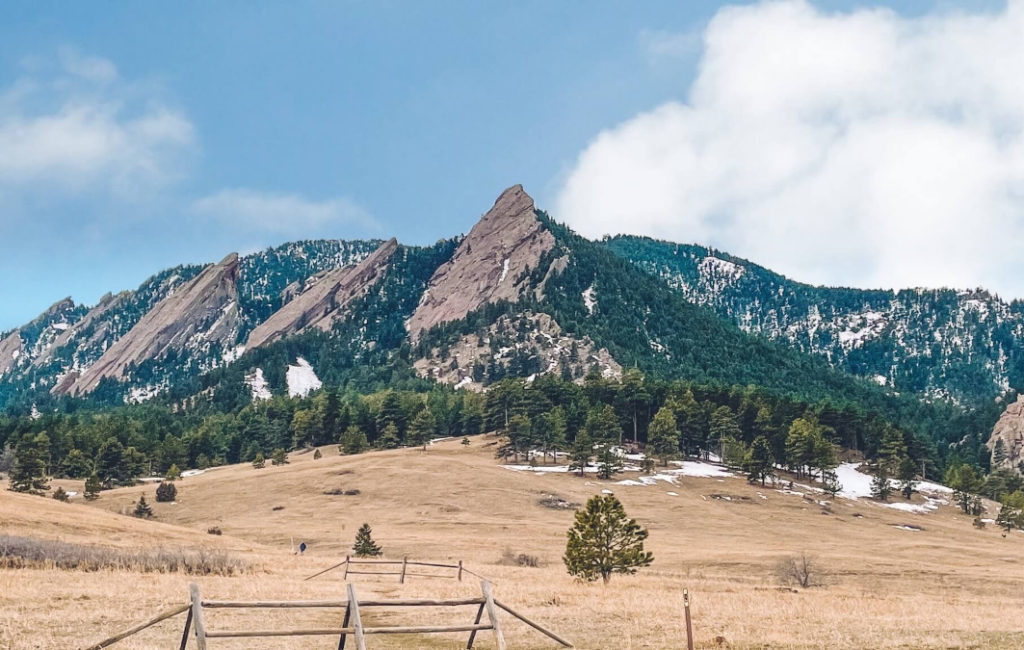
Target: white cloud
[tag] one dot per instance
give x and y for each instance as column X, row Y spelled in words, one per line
column 858, row 148
column 285, row 214
column 81, row 128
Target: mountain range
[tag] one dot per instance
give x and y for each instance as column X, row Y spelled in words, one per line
column 519, row 295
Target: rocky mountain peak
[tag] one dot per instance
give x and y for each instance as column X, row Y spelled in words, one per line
column 324, row 297
column 199, row 313
column 1007, row 440
column 489, row 265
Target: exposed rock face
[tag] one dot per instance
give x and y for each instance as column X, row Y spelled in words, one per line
column 202, row 312
column 324, row 298
column 97, row 335
column 10, row 350
column 1007, row 440
column 488, row 265
column 545, row 344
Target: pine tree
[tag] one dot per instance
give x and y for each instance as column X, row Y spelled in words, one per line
column 76, row 464
column 609, row 462
column 353, row 441
column 389, row 438
column 580, row 453
column 635, row 396
column 907, row 474
column 552, row 435
column 663, row 435
column 259, row 462
column 166, row 493
column 142, row 509
column 30, row 462
column 880, row 488
column 998, row 453
column 422, row 428
column 317, row 455
column 173, row 473
column 760, row 461
column 279, row 457
column 1011, row 513
column 830, row 483
column 93, row 485
column 110, row 463
column 603, row 541
column 965, row 483
column 465, row 441
column 60, row 494
column 365, row 546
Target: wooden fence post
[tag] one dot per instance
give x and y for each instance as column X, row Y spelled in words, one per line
column 188, row 628
column 492, row 614
column 472, row 635
column 344, row 624
column 197, row 616
column 347, row 563
column 357, row 622
column 689, row 625
column 405, row 561
column 460, row 570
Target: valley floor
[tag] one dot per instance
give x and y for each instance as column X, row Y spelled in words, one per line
column 947, row 585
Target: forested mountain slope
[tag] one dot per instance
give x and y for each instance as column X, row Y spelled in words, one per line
column 967, row 346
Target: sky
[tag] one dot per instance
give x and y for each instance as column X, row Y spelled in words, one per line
column 862, row 144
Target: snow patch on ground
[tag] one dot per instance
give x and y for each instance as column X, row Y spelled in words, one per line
column 465, row 381
column 258, row 385
column 192, row 472
column 301, row 379
column 589, row 300
column 504, row 271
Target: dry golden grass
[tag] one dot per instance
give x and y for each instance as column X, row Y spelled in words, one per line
column 947, row 586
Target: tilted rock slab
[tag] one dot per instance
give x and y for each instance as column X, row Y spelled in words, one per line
column 10, row 350
column 1009, row 429
column 488, row 264
column 200, row 312
column 324, row 298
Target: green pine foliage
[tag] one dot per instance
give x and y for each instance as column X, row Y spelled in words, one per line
column 93, row 485
column 166, row 493
column 30, row 464
column 604, row 540
column 364, row 545
column 143, row 509
column 259, row 462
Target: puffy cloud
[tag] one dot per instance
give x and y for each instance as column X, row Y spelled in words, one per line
column 79, row 127
column 284, row 214
column 862, row 148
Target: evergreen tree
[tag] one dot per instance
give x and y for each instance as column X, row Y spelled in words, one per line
column 580, row 453
column 1011, row 513
column 93, row 485
column 166, row 493
column 663, row 435
column 604, row 540
column 142, row 509
column 465, row 441
column 965, row 483
column 760, row 461
column 173, row 473
column 365, row 546
column 519, row 435
column 30, row 461
column 259, row 462
column 60, row 494
column 635, row 397
column 880, row 488
column 110, row 463
column 76, row 464
column 998, row 453
column 603, row 425
column 906, row 476
column 609, row 462
column 353, row 441
column 279, row 457
column 422, row 428
column 552, row 434
column 724, row 426
column 389, row 438
column 830, row 483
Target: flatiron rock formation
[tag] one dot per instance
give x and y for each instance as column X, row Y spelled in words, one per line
column 489, row 265
column 1007, row 439
column 200, row 313
column 324, row 298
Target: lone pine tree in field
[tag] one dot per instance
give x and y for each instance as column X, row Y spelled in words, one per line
column 93, row 485
column 603, row 541
column 259, row 462
column 280, row 457
column 30, row 461
column 142, row 509
column 365, row 546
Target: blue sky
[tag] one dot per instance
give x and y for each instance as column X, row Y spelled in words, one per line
column 144, row 135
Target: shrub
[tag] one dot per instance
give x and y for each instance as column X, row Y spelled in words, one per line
column 142, row 509
column 511, row 558
column 166, row 493
column 214, row 530
column 802, row 570
column 27, row 552
column 93, row 487
column 173, row 474
column 280, row 457
column 317, row 455
column 259, row 462
column 60, row 494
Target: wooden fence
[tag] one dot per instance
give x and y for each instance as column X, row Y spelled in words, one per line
column 401, row 569
column 351, row 625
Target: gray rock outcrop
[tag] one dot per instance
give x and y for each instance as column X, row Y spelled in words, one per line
column 1007, row 440
column 488, row 265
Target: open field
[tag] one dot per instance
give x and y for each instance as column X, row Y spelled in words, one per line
column 946, row 586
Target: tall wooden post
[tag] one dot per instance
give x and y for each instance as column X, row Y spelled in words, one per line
column 492, row 614
column 188, row 628
column 197, row 616
column 689, row 624
column 405, row 561
column 460, row 570
column 357, row 623
column 472, row 634
column 347, row 558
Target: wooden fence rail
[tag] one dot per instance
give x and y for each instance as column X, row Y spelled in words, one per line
column 352, row 625
column 402, row 569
